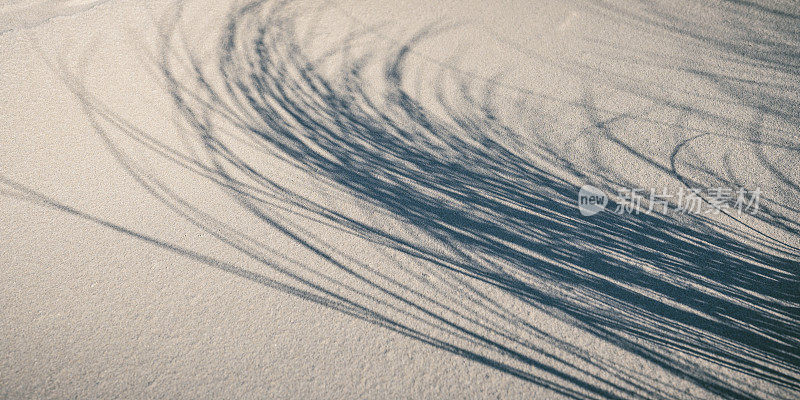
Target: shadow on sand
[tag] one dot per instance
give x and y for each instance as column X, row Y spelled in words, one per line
column 492, row 235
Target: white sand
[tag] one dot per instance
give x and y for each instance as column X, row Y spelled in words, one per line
column 108, row 292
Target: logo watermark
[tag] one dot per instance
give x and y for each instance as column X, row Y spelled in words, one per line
column 692, row 201
column 591, row 200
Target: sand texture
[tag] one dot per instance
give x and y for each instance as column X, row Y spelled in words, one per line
column 380, row 199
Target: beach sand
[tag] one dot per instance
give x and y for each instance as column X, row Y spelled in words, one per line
column 165, row 233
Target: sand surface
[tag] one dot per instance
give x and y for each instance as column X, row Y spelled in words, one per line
column 378, row 199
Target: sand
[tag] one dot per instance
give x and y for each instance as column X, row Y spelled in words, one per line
column 374, row 199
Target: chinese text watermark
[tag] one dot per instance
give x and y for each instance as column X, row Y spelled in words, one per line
column 693, row 201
